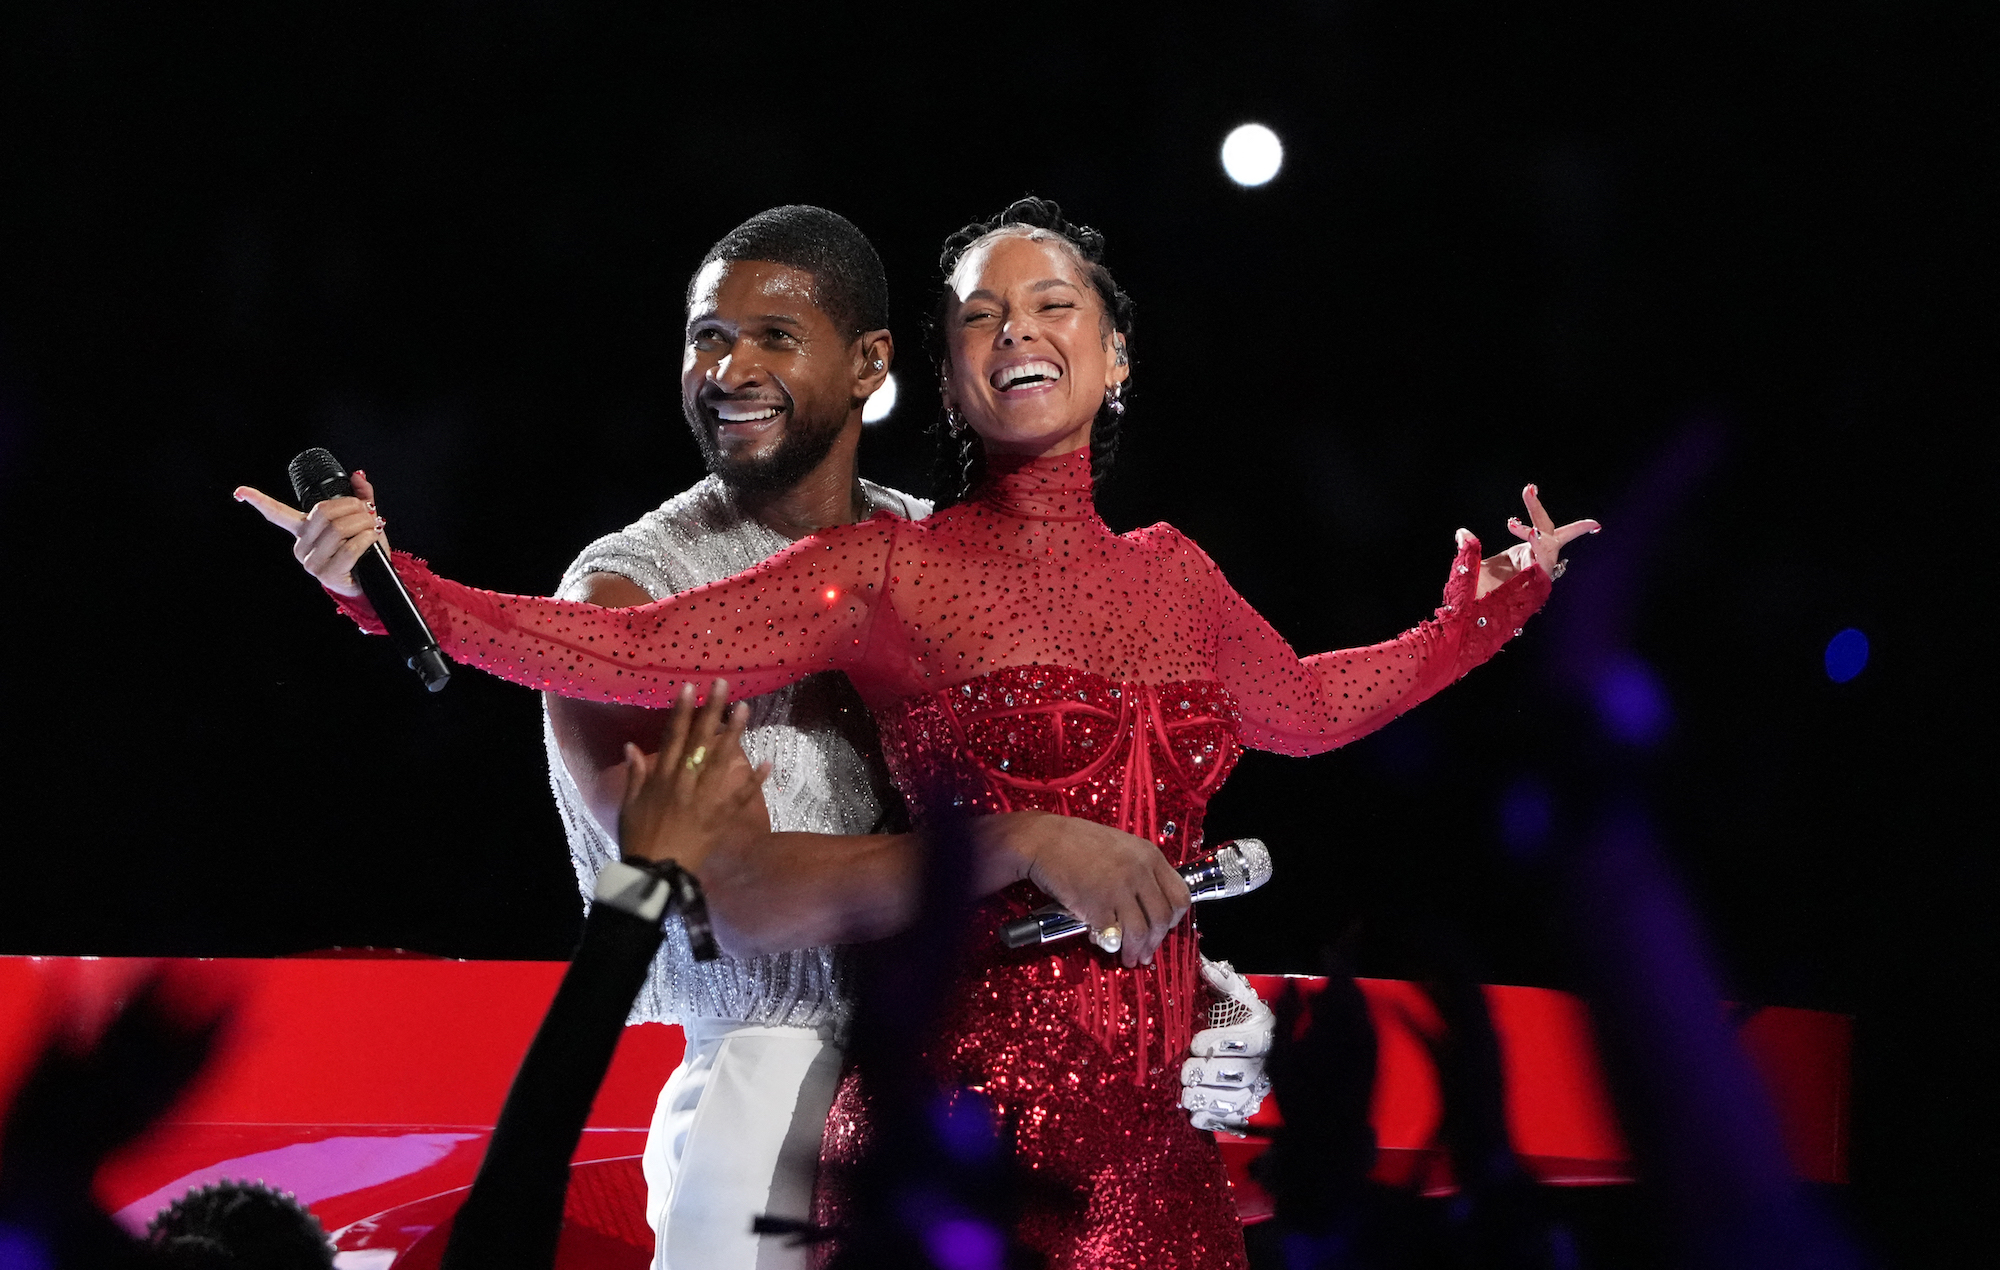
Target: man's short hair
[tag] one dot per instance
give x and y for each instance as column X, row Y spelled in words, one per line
column 848, row 283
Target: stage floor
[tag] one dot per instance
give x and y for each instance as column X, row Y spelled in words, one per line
column 369, row 1087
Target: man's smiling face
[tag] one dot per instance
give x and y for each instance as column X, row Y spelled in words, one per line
column 766, row 378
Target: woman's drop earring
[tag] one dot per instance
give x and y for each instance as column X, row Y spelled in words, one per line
column 1114, row 402
column 954, row 422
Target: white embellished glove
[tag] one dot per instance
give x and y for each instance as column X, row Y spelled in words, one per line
column 1224, row 1083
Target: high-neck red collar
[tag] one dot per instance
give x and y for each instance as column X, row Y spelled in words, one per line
column 1039, row 487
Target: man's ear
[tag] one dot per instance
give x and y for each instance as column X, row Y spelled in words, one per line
column 875, row 354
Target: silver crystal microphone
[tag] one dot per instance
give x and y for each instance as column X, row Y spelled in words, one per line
column 1237, row 866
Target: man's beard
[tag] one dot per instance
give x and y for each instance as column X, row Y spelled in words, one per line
column 803, row 447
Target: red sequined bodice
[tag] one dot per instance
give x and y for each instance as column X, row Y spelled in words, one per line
column 1141, row 757
column 1018, row 654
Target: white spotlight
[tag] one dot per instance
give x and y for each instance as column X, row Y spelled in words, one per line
column 880, row 402
column 1252, row 155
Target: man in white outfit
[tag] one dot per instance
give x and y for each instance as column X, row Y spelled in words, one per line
column 787, row 336
column 786, row 340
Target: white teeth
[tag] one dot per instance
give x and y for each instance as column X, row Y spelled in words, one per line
column 744, row 412
column 1011, row 375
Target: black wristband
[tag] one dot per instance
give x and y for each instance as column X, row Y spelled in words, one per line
column 685, row 898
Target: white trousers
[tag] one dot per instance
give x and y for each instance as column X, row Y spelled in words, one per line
column 736, row 1134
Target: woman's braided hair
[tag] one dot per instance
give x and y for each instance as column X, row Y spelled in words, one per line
column 961, row 460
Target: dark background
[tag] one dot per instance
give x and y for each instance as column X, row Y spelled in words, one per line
column 1705, row 273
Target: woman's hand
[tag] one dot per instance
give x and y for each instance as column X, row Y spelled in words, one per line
column 329, row 538
column 699, row 794
column 1541, row 543
column 1108, row 878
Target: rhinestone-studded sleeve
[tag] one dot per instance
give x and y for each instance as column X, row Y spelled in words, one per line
column 1305, row 705
column 808, row 608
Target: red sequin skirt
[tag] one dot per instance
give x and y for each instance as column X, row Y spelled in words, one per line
column 1082, row 1059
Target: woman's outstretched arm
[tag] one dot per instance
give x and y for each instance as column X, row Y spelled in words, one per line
column 1306, row 705
column 809, row 608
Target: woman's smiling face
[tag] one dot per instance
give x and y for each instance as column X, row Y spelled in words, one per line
column 1032, row 354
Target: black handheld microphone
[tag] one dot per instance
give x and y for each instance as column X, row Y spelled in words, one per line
column 1237, row 866
column 318, row 476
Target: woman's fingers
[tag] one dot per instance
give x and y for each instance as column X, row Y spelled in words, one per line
column 1536, row 512
column 338, row 570
column 331, row 559
column 332, row 537
column 283, row 515
column 343, row 516
column 1546, row 538
column 324, row 534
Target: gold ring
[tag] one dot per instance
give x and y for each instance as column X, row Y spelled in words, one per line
column 694, row 760
column 1110, row 939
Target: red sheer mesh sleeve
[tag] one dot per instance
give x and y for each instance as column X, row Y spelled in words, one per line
column 358, row 608
column 809, row 608
column 1306, row 705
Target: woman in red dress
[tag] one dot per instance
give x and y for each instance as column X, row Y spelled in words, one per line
column 1017, row 654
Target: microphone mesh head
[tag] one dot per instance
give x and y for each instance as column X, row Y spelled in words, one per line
column 1256, row 862
column 318, row 476
column 1230, row 861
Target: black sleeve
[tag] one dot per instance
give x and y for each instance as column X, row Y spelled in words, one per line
column 514, row 1214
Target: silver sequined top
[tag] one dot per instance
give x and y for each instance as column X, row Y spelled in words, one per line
column 816, row 734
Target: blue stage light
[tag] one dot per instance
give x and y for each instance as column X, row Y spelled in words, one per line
column 1632, row 703
column 1526, row 816
column 1846, row 655
column 960, row 1243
